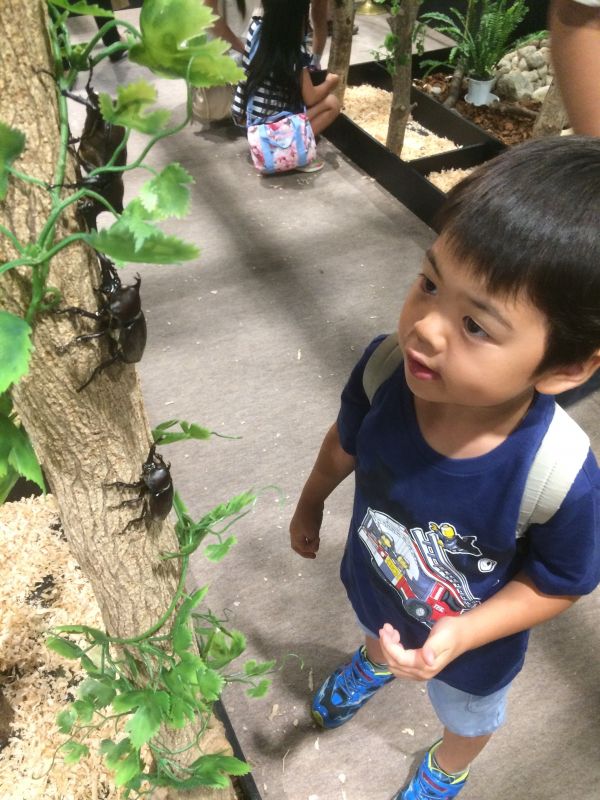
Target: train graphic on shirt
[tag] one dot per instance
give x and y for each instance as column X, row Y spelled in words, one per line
column 416, row 564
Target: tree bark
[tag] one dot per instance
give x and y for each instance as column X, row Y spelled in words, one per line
column 402, row 25
column 88, row 439
column 341, row 44
column 552, row 117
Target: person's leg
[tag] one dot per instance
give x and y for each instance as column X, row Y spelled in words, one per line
column 322, row 114
column 350, row 686
column 318, row 18
column 469, row 721
column 455, row 753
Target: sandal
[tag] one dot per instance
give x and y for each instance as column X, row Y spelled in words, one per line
column 314, row 166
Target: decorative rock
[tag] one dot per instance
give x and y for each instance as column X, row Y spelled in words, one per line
column 514, row 86
column 540, row 94
column 535, row 60
column 542, row 71
column 522, row 64
column 545, row 51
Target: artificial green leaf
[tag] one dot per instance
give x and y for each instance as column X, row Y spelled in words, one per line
column 73, row 751
column 82, row 7
column 253, row 668
column 66, row 719
column 127, row 769
column 129, row 700
column 180, row 712
column 12, row 144
column 211, row 684
column 147, row 719
column 15, row 347
column 182, row 638
column 23, row 458
column 100, row 693
column 131, row 108
column 93, row 634
column 189, row 430
column 119, row 243
column 229, row 765
column 114, row 751
column 8, row 478
column 174, row 43
column 224, row 649
column 190, row 604
column 260, row 690
column 166, row 195
column 63, row 647
column 215, row 552
column 84, row 710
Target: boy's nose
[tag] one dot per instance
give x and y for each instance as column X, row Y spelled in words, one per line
column 429, row 330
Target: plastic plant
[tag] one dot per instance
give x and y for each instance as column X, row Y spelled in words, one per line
column 173, row 672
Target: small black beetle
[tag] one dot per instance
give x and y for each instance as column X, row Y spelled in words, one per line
column 121, row 317
column 155, row 489
column 99, row 140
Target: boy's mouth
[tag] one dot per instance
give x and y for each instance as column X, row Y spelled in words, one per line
column 419, row 370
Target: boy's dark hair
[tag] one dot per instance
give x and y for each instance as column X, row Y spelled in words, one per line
column 278, row 56
column 530, row 220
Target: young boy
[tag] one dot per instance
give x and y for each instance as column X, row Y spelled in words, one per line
column 504, row 314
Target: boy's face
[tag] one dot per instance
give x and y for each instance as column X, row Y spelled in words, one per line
column 464, row 346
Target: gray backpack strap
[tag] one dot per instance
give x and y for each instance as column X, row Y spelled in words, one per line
column 382, row 363
column 557, row 463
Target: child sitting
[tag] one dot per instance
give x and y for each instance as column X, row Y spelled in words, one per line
column 504, row 314
column 278, row 80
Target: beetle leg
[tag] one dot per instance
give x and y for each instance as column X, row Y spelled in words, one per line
column 98, row 370
column 142, row 518
column 80, row 312
column 123, row 485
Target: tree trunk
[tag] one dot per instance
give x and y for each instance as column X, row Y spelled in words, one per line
column 88, row 439
column 401, row 24
column 553, row 115
column 341, row 43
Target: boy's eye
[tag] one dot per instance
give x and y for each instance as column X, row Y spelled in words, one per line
column 473, row 328
column 427, row 285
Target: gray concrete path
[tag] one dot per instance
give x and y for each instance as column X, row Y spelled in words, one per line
column 255, row 339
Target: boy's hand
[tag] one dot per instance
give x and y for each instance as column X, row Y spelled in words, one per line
column 332, row 79
column 444, row 644
column 304, row 529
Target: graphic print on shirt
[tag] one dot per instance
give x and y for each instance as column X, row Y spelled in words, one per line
column 417, row 565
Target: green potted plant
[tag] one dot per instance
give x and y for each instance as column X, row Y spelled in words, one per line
column 482, row 36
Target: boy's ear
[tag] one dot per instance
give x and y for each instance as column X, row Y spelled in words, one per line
column 561, row 379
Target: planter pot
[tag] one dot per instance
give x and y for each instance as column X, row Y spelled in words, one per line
column 480, row 92
column 406, row 180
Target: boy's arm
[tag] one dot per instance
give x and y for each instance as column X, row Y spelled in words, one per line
column 518, row 606
column 575, row 31
column 333, row 464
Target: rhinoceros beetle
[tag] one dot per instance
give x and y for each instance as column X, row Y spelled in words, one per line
column 155, row 489
column 97, row 143
column 120, row 316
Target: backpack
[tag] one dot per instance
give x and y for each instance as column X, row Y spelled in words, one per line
column 557, row 462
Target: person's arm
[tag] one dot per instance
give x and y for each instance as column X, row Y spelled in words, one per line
column 518, row 606
column 222, row 29
column 333, row 464
column 575, row 45
column 314, row 94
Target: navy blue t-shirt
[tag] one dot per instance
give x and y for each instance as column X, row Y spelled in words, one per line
column 432, row 535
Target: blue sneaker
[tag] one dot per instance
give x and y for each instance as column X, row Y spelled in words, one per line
column 431, row 782
column 347, row 690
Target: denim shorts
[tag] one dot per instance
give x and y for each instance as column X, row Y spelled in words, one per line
column 462, row 713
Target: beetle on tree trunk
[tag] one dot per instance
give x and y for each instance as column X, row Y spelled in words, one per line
column 155, row 489
column 121, row 317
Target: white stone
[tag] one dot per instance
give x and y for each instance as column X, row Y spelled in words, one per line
column 535, row 60
column 547, row 80
column 522, row 64
column 545, row 51
column 540, row 94
column 542, row 71
column 514, row 86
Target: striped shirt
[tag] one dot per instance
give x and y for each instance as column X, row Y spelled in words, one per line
column 269, row 99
